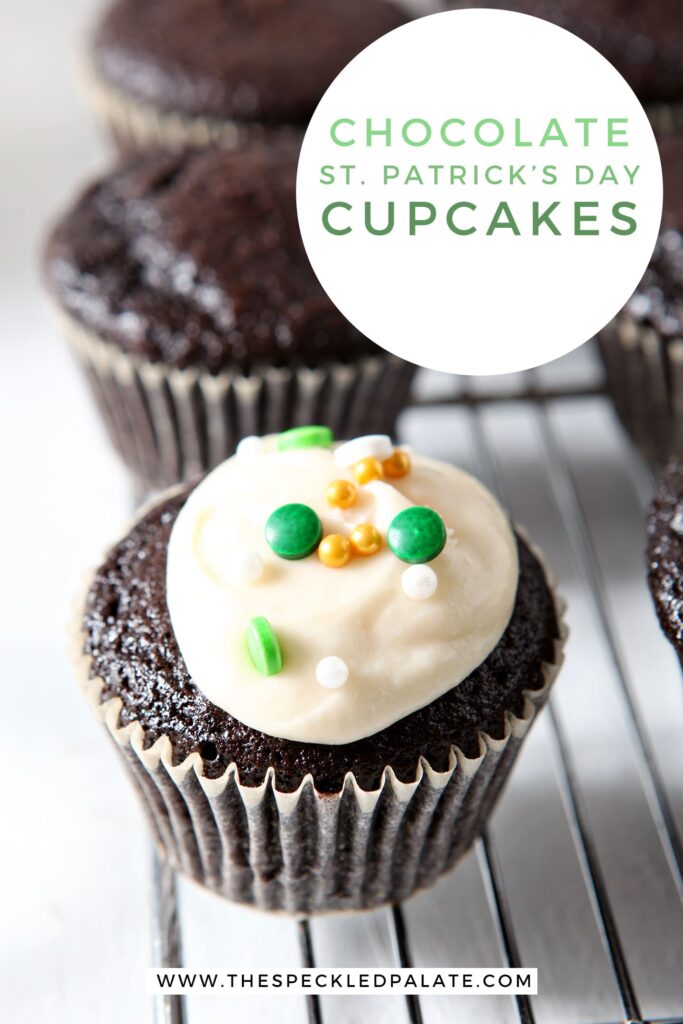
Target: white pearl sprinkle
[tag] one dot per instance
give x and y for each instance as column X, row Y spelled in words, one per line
column 251, row 445
column 376, row 446
column 419, row 582
column 248, row 567
column 332, row 672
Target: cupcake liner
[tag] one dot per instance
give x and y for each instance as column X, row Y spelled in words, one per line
column 170, row 425
column 135, row 125
column 665, row 118
column 308, row 852
column 644, row 377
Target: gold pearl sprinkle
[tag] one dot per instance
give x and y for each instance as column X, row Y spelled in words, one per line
column 341, row 493
column 367, row 470
column 397, row 465
column 366, row 539
column 334, row 551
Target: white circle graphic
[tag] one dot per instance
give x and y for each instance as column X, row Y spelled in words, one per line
column 479, row 191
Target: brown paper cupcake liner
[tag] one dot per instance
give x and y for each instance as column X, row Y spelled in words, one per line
column 308, row 852
column 644, row 377
column 170, row 425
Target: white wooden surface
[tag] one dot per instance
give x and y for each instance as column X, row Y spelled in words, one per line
column 74, row 862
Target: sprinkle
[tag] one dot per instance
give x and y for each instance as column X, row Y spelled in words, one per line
column 377, row 446
column 341, row 494
column 263, row 646
column 397, row 465
column 365, row 539
column 304, row 437
column 294, row 531
column 332, row 672
column 247, row 567
column 251, row 445
column 334, row 551
column 419, row 582
column 367, row 469
column 417, row 534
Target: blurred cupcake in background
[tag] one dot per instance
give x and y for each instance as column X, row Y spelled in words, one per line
column 184, row 288
column 665, row 552
column 642, row 348
column 174, row 73
column 644, row 42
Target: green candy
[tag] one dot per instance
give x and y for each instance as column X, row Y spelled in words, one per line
column 304, row 437
column 263, row 647
column 417, row 534
column 294, row 531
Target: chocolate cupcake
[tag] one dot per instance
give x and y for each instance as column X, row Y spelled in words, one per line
column 665, row 552
column 319, row 665
column 189, row 300
column 642, row 348
column 644, row 42
column 177, row 73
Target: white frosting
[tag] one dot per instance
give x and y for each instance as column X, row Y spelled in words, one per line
column 401, row 653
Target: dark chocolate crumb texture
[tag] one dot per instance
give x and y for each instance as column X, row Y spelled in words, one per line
column 265, row 61
column 665, row 551
column 133, row 650
column 197, row 260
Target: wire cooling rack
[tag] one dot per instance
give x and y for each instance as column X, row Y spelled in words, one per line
column 580, row 871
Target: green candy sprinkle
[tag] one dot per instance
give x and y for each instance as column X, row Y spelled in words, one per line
column 263, row 647
column 417, row 534
column 305, row 437
column 294, row 531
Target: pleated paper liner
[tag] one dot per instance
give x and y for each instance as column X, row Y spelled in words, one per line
column 306, row 852
column 644, row 377
column 170, row 425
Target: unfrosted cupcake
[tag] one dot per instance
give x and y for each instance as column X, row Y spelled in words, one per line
column 189, row 300
column 189, row 72
column 665, row 552
column 644, row 42
column 642, row 348
column 319, row 665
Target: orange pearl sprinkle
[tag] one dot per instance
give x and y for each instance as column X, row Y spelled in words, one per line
column 341, row 493
column 366, row 539
column 397, row 465
column 367, row 470
column 334, row 550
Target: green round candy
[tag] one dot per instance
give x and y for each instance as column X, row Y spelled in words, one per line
column 417, row 534
column 263, row 646
column 294, row 531
column 305, row 437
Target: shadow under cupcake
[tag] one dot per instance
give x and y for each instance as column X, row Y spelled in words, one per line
column 185, row 291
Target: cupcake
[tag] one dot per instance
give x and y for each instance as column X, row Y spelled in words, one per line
column 186, row 293
column 642, row 348
column 318, row 665
column 174, row 73
column 644, row 42
column 665, row 552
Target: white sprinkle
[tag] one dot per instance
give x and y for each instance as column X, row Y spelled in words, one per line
column 419, row 582
column 376, row 446
column 332, row 672
column 250, row 445
column 247, row 568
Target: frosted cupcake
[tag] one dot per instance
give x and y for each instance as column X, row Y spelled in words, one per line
column 184, row 289
column 174, row 73
column 319, row 665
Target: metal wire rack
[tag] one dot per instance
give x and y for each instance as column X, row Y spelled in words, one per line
column 580, row 872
